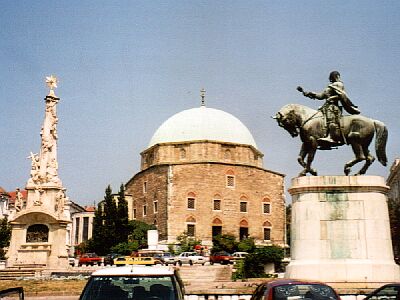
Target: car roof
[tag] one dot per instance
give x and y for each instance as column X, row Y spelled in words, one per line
column 135, row 270
column 279, row 282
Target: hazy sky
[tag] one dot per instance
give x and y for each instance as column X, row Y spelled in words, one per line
column 126, row 66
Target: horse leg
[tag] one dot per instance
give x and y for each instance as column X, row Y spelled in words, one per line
column 358, row 152
column 302, row 156
column 368, row 161
column 310, row 157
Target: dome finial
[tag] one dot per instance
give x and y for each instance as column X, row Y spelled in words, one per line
column 202, row 95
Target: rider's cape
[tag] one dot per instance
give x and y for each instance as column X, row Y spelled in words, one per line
column 345, row 101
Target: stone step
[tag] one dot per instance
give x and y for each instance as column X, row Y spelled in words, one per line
column 201, row 274
column 14, row 274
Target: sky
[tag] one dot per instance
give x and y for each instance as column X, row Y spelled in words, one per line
column 124, row 67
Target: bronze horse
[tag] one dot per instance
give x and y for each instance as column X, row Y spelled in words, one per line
column 356, row 130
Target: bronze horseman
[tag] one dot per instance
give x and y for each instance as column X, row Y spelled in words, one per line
column 327, row 127
column 334, row 94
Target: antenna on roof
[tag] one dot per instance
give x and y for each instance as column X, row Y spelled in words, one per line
column 202, row 95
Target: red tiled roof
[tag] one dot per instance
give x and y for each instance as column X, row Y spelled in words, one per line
column 13, row 195
column 89, row 208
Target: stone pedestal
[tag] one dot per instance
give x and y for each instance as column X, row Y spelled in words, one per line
column 340, row 230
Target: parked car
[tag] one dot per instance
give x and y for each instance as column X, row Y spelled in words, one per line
column 71, row 261
column 285, row 289
column 90, row 259
column 167, row 258
column 136, row 282
column 190, row 258
column 109, row 258
column 388, row 291
column 127, row 260
column 239, row 255
column 221, row 257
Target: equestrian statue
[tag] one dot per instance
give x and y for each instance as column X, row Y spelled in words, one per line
column 327, row 128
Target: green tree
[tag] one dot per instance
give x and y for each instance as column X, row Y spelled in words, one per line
column 125, row 248
column 5, row 236
column 138, row 232
column 224, row 242
column 95, row 244
column 187, row 243
column 122, row 221
column 110, row 219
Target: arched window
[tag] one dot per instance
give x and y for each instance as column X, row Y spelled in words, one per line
column 191, row 201
column 191, row 226
column 38, row 233
column 243, row 204
column 217, row 202
column 216, row 228
column 266, row 206
column 267, row 230
column 230, row 179
column 243, row 229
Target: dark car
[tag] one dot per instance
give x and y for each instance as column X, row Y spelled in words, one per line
column 286, row 289
column 388, row 291
column 109, row 258
column 221, row 257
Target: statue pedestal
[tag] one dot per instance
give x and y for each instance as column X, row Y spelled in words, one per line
column 340, row 230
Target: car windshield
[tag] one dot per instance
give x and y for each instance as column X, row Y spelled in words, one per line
column 161, row 287
column 304, row 291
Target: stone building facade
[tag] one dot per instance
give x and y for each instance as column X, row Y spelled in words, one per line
column 202, row 173
column 82, row 225
column 393, row 181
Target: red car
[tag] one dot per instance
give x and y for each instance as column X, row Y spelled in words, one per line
column 287, row 289
column 90, row 259
column 221, row 257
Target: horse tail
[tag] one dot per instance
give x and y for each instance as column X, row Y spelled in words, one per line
column 380, row 141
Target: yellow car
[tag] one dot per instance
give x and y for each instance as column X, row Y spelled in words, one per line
column 127, row 260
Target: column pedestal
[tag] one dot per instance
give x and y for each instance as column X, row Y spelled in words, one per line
column 340, row 230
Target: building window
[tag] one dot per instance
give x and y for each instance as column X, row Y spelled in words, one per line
column 267, row 234
column 266, row 208
column 85, row 232
column 38, row 233
column 216, row 230
column 77, row 225
column 134, row 213
column 145, row 187
column 230, row 181
column 191, row 203
column 243, row 206
column 243, row 233
column 144, row 210
column 217, row 204
column 155, row 206
column 191, row 229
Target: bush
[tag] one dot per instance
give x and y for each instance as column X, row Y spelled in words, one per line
column 125, row 248
column 254, row 262
column 224, row 242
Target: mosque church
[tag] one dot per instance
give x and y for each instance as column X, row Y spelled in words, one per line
column 203, row 174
